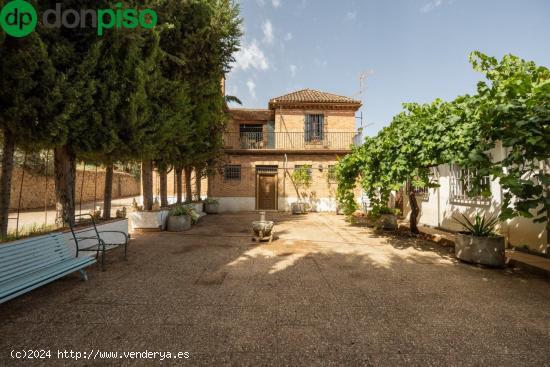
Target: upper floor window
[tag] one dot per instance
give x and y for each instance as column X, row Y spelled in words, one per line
column 232, row 172
column 314, row 127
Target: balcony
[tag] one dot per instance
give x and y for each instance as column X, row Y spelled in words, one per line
column 288, row 141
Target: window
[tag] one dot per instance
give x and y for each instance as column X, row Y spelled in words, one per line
column 309, row 171
column 421, row 192
column 331, row 174
column 464, row 188
column 232, row 173
column 314, row 127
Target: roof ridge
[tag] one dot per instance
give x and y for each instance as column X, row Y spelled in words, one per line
column 309, row 95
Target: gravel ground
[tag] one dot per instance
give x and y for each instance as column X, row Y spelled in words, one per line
column 323, row 293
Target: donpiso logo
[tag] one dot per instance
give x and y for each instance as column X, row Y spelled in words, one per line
column 18, row 18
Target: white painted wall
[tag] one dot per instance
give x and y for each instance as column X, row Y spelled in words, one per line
column 439, row 209
column 239, row 204
column 324, row 204
column 236, row 204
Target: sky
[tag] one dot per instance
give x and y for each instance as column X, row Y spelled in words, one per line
column 407, row 50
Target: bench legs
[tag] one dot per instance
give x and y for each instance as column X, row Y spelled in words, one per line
column 83, row 275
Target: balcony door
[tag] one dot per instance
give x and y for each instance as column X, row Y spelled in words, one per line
column 251, row 136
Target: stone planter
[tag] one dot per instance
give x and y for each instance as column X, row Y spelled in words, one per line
column 480, row 250
column 198, row 207
column 149, row 220
column 179, row 223
column 298, row 208
column 211, row 208
column 263, row 230
column 387, row 221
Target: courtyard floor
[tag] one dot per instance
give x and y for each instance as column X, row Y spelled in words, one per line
column 323, row 293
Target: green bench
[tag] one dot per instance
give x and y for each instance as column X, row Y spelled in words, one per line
column 32, row 262
column 88, row 238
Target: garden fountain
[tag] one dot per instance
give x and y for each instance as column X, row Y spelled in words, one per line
column 263, row 229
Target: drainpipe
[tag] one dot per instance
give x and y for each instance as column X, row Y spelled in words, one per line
column 284, row 177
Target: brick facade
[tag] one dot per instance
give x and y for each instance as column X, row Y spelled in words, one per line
column 285, row 151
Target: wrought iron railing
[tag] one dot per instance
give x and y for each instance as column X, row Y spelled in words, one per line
column 288, row 140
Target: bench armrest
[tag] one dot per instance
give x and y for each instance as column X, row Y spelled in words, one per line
column 126, row 237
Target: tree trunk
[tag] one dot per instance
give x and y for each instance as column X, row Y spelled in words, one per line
column 65, row 181
column 163, row 182
column 108, row 193
column 5, row 181
column 198, row 183
column 178, row 174
column 147, row 184
column 209, row 178
column 188, row 190
column 414, row 211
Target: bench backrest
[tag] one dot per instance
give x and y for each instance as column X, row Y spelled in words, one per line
column 31, row 254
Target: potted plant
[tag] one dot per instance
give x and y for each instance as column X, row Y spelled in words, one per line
column 179, row 218
column 211, row 206
column 383, row 217
column 301, row 178
column 479, row 243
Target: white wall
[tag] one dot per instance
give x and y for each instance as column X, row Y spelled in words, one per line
column 324, row 204
column 438, row 211
column 236, row 204
column 239, row 204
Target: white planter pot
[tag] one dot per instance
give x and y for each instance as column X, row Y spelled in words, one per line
column 149, row 220
column 480, row 250
column 299, row 208
column 179, row 223
column 198, row 207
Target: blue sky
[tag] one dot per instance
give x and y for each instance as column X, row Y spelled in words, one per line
column 409, row 50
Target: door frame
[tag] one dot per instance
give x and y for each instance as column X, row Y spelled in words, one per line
column 267, row 173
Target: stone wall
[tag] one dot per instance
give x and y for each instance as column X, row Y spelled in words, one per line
column 39, row 191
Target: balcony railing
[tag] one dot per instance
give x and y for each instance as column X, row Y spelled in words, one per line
column 288, row 141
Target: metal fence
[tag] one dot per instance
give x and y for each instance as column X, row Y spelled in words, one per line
column 288, row 140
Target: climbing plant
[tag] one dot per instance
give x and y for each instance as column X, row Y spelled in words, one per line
column 512, row 109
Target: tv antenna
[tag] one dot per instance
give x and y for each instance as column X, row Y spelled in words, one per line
column 363, row 87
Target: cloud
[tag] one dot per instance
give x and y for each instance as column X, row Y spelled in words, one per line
column 288, row 36
column 351, row 15
column 433, row 4
column 319, row 62
column 267, row 29
column 250, row 56
column 276, row 3
column 251, row 88
column 293, row 70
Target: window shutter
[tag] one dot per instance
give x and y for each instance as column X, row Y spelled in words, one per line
column 321, row 126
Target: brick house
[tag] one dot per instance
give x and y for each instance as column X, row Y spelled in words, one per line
column 264, row 146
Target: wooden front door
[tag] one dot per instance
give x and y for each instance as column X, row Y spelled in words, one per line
column 267, row 192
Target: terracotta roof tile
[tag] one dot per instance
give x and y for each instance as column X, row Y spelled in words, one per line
column 312, row 96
